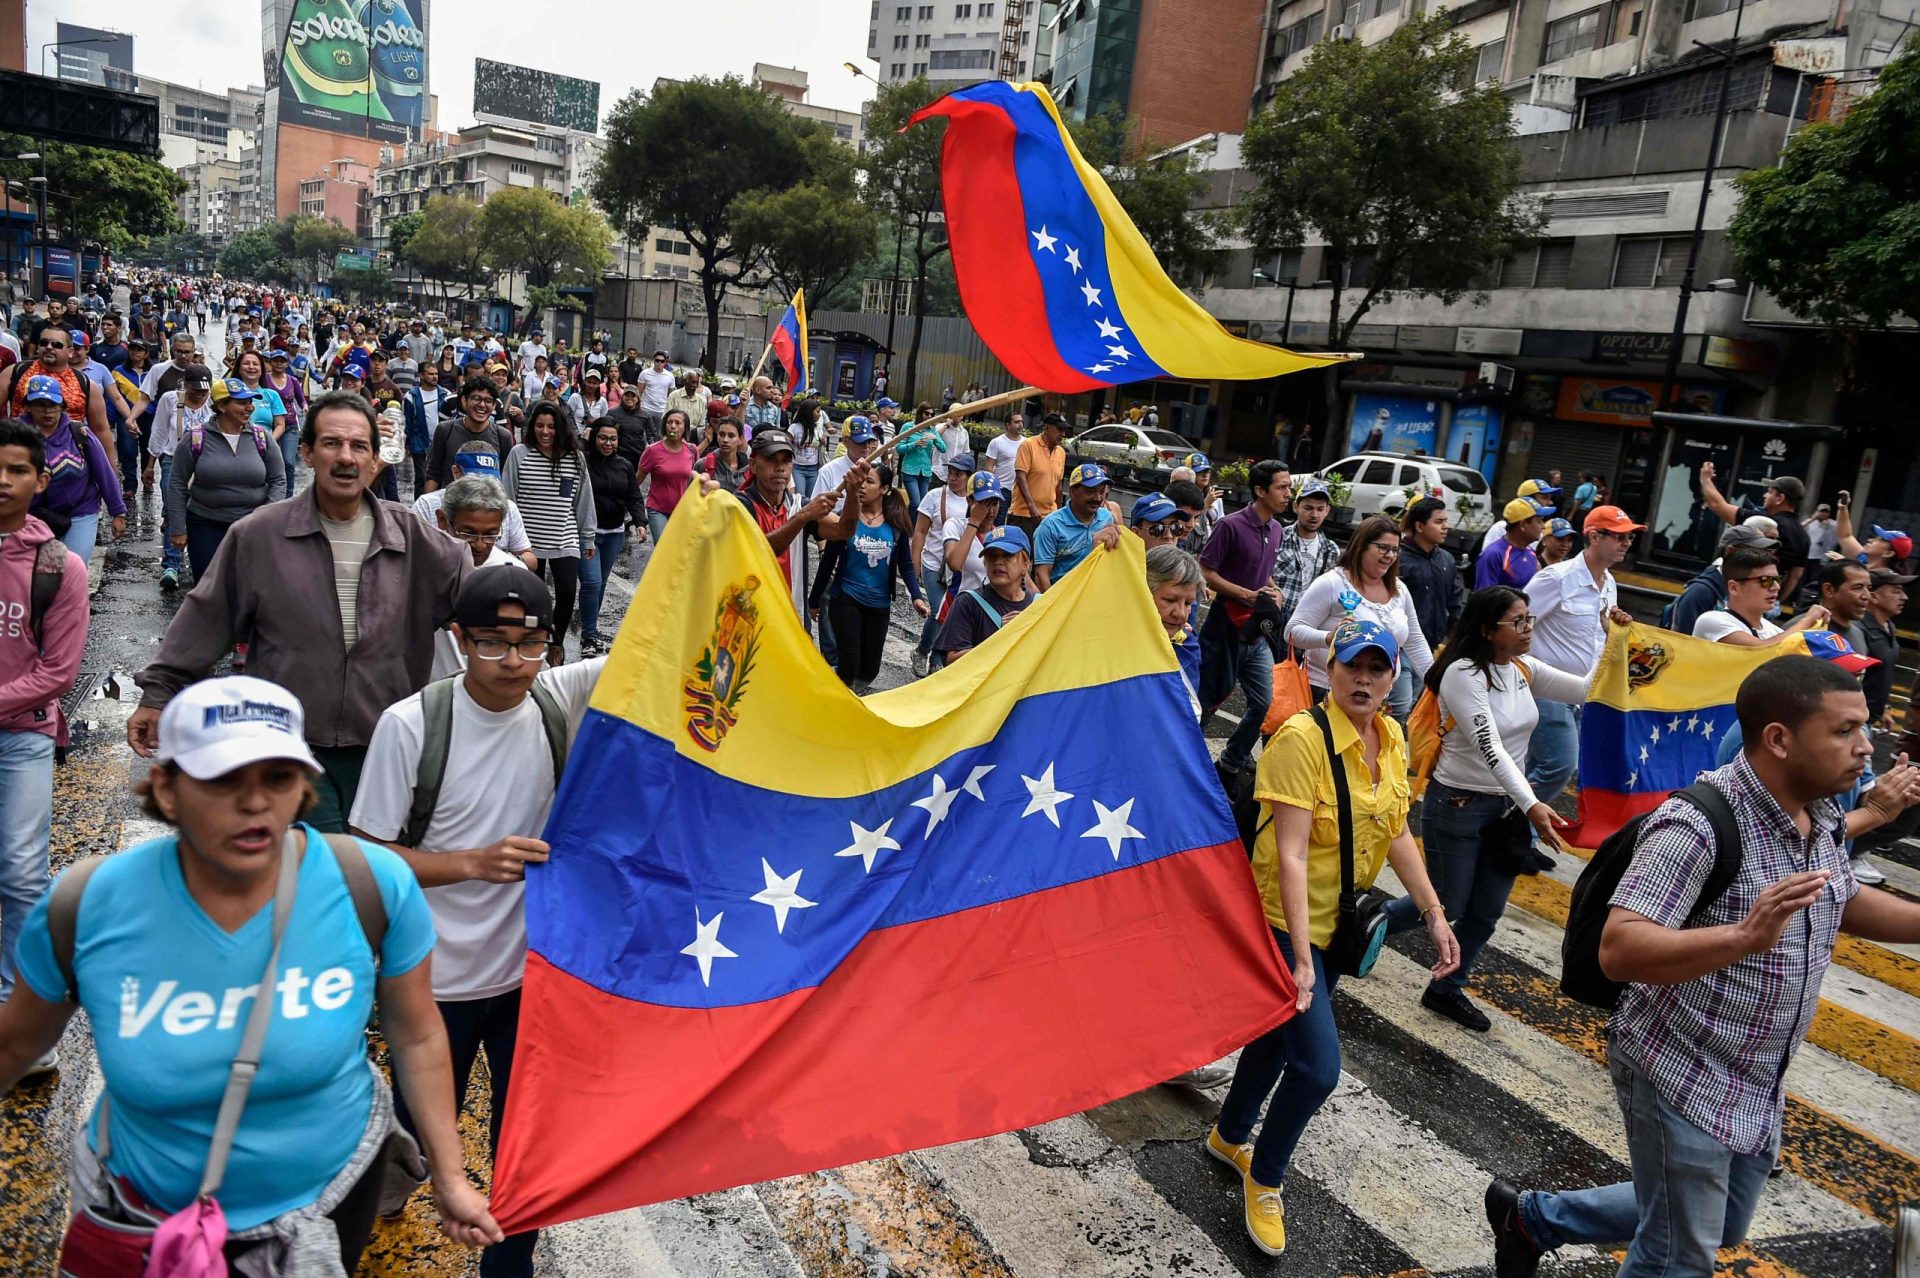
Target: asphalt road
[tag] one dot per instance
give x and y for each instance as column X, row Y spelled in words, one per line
column 1388, row 1179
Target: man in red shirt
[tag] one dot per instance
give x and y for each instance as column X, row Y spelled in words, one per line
column 776, row 507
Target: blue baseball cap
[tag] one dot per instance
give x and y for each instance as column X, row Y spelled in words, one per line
column 1197, row 462
column 985, row 486
column 478, row 458
column 1088, row 475
column 231, row 388
column 964, row 462
column 45, row 390
column 1353, row 637
column 860, row 430
column 1555, row 527
column 1152, row 508
column 1313, row 488
column 1007, row 541
column 884, row 402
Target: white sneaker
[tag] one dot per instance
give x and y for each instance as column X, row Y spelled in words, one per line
column 1864, row 871
column 1206, row 1077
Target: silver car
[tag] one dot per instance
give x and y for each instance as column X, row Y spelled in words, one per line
column 1123, row 444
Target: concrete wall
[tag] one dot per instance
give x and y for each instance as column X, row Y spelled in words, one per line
column 1194, row 68
column 305, row 152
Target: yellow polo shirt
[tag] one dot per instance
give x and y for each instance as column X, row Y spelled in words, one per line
column 1295, row 771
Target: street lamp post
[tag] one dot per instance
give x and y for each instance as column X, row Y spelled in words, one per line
column 899, row 235
column 111, row 37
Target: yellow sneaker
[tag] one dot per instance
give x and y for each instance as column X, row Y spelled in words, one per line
column 1266, row 1218
column 1238, row 1157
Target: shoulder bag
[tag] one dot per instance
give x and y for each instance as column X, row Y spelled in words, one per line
column 1360, row 930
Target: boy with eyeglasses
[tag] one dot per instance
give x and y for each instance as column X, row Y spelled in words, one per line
column 1753, row 580
column 473, row 424
column 469, row 839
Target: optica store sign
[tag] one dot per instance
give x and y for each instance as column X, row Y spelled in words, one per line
column 1612, row 402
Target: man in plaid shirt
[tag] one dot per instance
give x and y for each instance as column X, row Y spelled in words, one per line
column 1718, row 1002
column 1305, row 551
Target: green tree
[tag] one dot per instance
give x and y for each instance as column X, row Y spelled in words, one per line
column 448, row 245
column 314, row 241
column 903, row 177
column 814, row 234
column 181, row 251
column 260, row 255
column 369, row 284
column 1157, row 193
column 1833, row 230
column 548, row 241
column 96, row 195
column 401, row 230
column 1410, row 180
column 685, row 156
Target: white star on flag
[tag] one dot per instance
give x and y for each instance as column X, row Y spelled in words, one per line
column 1675, row 725
column 1706, row 729
column 781, row 895
column 868, row 844
column 1045, row 797
column 1643, row 754
column 1693, row 723
column 1631, row 778
column 1043, row 241
column 1108, row 329
column 1113, row 826
column 1100, row 368
column 1119, row 352
column 1073, row 258
column 937, row 803
column 706, row 945
column 1092, row 293
column 972, row 784
column 1656, row 736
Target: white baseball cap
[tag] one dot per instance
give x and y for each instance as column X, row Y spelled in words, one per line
column 218, row 725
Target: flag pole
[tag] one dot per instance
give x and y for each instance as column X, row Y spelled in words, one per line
column 964, row 411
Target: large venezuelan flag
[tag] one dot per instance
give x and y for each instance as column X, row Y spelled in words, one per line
column 1655, row 716
column 790, row 343
column 1054, row 275
column 785, row 928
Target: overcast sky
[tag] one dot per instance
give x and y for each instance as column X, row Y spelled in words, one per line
column 215, row 44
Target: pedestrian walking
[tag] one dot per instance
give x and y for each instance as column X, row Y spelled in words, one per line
column 222, row 472
column 546, row 475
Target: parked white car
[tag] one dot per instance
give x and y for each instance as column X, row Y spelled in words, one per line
column 1380, row 483
column 1122, row 444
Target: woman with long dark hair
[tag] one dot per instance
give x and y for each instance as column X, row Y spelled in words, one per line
column 806, row 429
column 617, row 506
column 857, row 575
column 546, row 475
column 1364, row 584
column 1479, row 815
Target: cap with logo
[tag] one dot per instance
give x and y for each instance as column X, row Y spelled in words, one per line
column 1352, row 637
column 884, row 402
column 1610, row 519
column 1313, row 488
column 78, row 337
column 1521, row 509
column 1558, row 528
column 216, row 726
column 1152, row 508
column 196, row 376
column 42, row 389
column 985, row 486
column 486, row 591
column 1007, row 541
column 1536, row 488
column 860, row 430
column 1088, row 475
column 231, row 388
column 772, row 440
column 480, row 459
column 279, row 356
column 1902, row 544
column 1197, row 462
column 1829, row 646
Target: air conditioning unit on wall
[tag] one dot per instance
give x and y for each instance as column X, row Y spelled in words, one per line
column 1498, row 377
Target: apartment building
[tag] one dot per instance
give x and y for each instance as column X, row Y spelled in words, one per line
column 480, row 160
column 1177, row 68
column 338, row 193
column 953, row 42
column 207, row 206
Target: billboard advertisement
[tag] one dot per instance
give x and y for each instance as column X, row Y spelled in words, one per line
column 357, row 67
column 1475, row 438
column 1394, row 424
column 1610, row 401
column 522, row 93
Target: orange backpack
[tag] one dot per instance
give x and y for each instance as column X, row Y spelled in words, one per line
column 1425, row 726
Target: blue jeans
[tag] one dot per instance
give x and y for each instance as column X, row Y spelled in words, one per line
column 1452, row 825
column 657, row 524
column 1689, row 1194
column 203, row 539
column 916, row 486
column 26, row 825
column 81, row 534
column 803, row 479
column 171, row 556
column 290, row 454
column 1554, row 750
column 127, row 445
column 1253, row 666
column 1303, row 1056
column 593, row 579
column 1406, row 691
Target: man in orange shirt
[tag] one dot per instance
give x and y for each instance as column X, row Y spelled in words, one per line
column 1038, row 468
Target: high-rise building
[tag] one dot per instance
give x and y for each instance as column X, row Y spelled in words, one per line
column 788, row 85
column 84, row 54
column 951, row 43
column 1177, row 68
column 195, row 124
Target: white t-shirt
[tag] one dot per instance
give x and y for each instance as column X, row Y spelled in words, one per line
column 528, row 350
column 1720, row 623
column 832, row 474
column 513, row 530
column 1493, row 721
column 447, row 657
column 939, row 505
column 1001, row 452
column 482, row 927
column 973, row 573
column 655, row 386
column 957, row 440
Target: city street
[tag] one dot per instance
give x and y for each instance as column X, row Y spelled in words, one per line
column 1389, row 1177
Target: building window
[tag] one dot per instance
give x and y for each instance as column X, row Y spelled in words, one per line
column 903, row 14
column 1548, row 264
column 1293, row 39
column 875, row 15
column 899, row 42
column 922, row 41
column 926, row 13
column 683, row 248
column 1699, row 9
column 1022, row 72
column 515, row 166
column 1572, row 35
column 1492, row 58
column 919, row 68
column 663, row 246
column 844, row 132
column 898, row 71
column 963, row 11
column 1359, row 11
column 963, row 59
column 1651, row 261
column 986, row 10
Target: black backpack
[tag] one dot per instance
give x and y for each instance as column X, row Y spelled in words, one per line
column 1580, row 975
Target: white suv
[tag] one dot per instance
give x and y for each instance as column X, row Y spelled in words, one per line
column 1379, row 484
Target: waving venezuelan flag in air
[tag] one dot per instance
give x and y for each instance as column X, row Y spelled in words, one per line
column 1054, row 275
column 1658, row 709
column 785, row 928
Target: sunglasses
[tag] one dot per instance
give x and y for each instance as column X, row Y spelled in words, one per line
column 1765, row 580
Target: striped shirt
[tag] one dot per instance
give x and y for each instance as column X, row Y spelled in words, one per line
column 348, row 540
column 550, row 493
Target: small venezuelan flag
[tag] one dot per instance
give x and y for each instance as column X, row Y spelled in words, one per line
column 1655, row 716
column 1054, row 275
column 790, row 343
column 785, row 928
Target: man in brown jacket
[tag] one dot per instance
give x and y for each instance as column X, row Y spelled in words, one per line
column 338, row 594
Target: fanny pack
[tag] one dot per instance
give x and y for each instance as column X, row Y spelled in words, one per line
column 1360, row 931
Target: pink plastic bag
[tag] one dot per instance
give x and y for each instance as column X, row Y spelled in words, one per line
column 190, row 1243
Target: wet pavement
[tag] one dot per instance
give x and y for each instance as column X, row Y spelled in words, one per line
column 1387, row 1182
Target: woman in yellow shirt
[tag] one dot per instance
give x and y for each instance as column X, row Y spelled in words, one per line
column 1296, row 862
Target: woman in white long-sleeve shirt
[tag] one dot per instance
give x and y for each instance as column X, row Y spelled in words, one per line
column 1487, row 685
column 1363, row 583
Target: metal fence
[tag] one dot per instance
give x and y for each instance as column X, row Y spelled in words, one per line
column 950, row 351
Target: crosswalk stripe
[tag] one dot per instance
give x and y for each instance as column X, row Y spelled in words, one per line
column 1841, row 1030
column 724, row 1233
column 886, row 1216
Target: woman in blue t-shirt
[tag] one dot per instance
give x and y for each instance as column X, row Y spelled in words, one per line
column 167, row 943
column 856, row 580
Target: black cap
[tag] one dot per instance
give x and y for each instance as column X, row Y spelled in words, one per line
column 197, row 375
column 484, row 591
column 1790, row 488
column 1887, row 577
column 772, row 440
